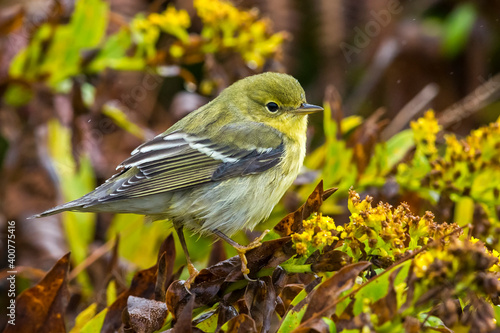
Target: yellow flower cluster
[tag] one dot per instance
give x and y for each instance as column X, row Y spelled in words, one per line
column 172, row 21
column 146, row 30
column 385, row 231
column 227, row 28
column 319, row 231
column 425, row 130
column 459, row 259
column 469, row 167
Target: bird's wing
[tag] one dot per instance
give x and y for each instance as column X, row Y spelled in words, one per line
column 178, row 160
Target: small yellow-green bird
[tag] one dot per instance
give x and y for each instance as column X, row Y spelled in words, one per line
column 220, row 169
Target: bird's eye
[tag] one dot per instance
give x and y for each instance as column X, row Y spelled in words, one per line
column 272, row 107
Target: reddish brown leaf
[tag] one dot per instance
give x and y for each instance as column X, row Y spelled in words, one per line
column 183, row 323
column 168, row 247
column 412, row 325
column 206, row 292
column 321, row 299
column 209, row 284
column 218, row 253
column 292, row 223
column 144, row 315
column 260, row 298
column 331, row 261
column 241, row 324
column 177, row 297
column 161, row 279
column 308, row 289
column 143, row 285
column 42, row 308
column 280, row 277
column 289, row 293
column 225, row 313
column 269, row 254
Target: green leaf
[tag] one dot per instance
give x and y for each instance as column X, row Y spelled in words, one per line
column 457, row 29
column 114, row 54
column 464, row 211
column 121, row 119
column 133, row 233
column 17, row 95
column 64, row 45
column 111, row 293
column 84, row 317
column 95, row 324
column 292, row 319
column 75, row 182
column 378, row 288
column 209, row 324
column 332, row 328
column 398, row 146
column 496, row 308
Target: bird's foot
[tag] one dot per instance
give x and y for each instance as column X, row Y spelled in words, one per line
column 242, row 250
column 193, row 273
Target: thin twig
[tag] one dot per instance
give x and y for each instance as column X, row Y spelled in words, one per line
column 475, row 101
column 386, row 53
column 413, row 108
column 99, row 252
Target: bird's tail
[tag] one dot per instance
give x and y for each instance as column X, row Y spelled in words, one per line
column 75, row 205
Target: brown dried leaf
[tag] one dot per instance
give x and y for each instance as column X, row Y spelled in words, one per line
column 280, row 277
column 321, row 300
column 241, row 324
column 42, row 308
column 211, row 281
column 225, row 313
column 218, row 253
column 331, row 261
column 143, row 285
column 292, row 223
column 144, row 315
column 168, row 247
column 412, row 325
column 269, row 254
column 289, row 293
column 183, row 323
column 260, row 298
column 161, row 279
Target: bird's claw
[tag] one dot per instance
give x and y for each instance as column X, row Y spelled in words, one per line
column 193, row 273
column 242, row 250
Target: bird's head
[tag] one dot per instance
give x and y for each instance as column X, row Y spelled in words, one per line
column 275, row 99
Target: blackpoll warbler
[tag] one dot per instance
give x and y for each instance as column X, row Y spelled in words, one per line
column 220, row 169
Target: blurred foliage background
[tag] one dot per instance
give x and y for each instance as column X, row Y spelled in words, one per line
column 84, row 82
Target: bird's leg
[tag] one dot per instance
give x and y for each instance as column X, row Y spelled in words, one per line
column 242, row 250
column 193, row 272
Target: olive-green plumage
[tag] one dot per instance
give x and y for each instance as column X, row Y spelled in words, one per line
column 221, row 168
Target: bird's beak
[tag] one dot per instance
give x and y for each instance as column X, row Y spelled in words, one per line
column 307, row 109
